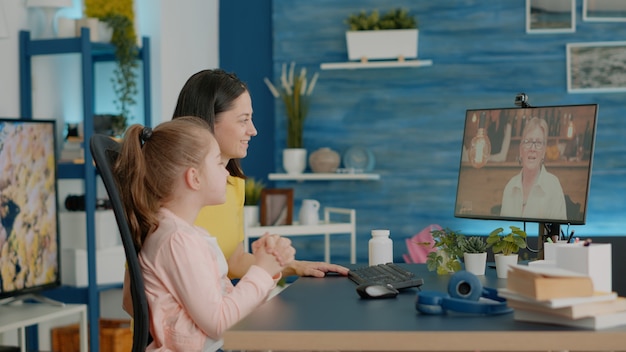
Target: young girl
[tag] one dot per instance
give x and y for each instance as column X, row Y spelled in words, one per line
column 166, row 176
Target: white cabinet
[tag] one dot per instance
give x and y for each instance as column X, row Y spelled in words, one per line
column 337, row 221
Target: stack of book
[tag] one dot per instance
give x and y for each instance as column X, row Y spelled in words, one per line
column 561, row 297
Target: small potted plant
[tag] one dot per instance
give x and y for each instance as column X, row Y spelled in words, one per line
column 505, row 247
column 474, row 254
column 252, row 198
column 295, row 92
column 447, row 257
column 371, row 36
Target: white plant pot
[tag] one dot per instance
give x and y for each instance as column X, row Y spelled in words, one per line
column 294, row 160
column 475, row 263
column 382, row 44
column 251, row 215
column 502, row 264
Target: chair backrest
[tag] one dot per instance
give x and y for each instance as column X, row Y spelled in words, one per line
column 105, row 151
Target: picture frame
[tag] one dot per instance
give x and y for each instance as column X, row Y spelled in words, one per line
column 604, row 11
column 550, row 16
column 276, row 206
column 592, row 68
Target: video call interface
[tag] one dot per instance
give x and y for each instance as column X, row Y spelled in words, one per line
column 527, row 164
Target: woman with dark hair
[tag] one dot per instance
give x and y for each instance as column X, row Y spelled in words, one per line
column 223, row 100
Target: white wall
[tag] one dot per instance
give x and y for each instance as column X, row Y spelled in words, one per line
column 184, row 40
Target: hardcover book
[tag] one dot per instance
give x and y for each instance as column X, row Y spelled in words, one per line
column 577, row 311
column 602, row 321
column 558, row 302
column 547, row 283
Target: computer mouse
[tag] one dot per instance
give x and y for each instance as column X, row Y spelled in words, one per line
column 376, row 291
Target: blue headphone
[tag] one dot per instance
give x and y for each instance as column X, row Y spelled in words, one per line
column 464, row 292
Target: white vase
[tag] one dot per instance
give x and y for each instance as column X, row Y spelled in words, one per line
column 502, row 264
column 475, row 262
column 294, row 160
column 250, row 215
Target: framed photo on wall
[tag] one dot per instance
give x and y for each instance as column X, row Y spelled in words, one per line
column 604, row 10
column 596, row 67
column 276, row 206
column 550, row 16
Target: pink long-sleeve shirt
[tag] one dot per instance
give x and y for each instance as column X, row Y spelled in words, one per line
column 191, row 300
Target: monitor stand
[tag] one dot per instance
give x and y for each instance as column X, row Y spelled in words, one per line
column 546, row 230
column 34, row 297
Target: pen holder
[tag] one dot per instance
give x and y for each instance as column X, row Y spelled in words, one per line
column 593, row 260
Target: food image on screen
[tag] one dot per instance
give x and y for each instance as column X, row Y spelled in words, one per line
column 28, row 207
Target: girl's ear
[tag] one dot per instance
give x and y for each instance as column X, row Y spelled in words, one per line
column 192, row 178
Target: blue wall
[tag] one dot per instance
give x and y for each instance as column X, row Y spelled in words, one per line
column 412, row 118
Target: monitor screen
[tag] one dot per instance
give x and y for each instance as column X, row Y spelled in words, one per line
column 29, row 241
column 527, row 164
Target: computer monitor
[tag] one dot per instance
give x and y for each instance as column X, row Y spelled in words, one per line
column 530, row 164
column 29, row 237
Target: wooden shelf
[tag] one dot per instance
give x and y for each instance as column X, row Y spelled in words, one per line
column 374, row 64
column 324, row 177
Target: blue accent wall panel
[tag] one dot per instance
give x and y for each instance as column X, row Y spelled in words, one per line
column 412, row 118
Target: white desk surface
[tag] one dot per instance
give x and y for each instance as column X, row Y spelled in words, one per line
column 19, row 316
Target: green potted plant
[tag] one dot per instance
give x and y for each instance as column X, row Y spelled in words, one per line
column 125, row 74
column 505, row 247
column 253, row 189
column 119, row 17
column 474, row 250
column 370, row 36
column 446, row 258
column 295, row 92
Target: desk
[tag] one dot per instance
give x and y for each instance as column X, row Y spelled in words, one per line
column 326, row 227
column 327, row 314
column 19, row 316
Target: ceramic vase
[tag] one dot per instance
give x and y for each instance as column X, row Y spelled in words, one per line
column 251, row 215
column 502, row 264
column 294, row 160
column 475, row 263
column 324, row 160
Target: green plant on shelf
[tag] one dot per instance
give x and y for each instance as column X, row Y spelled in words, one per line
column 394, row 19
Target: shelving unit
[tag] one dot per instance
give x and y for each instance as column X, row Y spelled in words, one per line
column 325, row 227
column 90, row 53
column 374, row 64
column 324, row 177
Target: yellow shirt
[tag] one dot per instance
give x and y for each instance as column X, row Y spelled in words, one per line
column 225, row 221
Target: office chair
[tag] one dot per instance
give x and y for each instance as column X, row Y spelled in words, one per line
column 105, row 151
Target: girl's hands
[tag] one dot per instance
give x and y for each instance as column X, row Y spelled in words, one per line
column 273, row 253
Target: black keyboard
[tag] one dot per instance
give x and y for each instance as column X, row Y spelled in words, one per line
column 389, row 273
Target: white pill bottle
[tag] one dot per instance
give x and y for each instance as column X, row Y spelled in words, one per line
column 380, row 248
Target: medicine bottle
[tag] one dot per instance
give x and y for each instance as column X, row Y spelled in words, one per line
column 380, row 248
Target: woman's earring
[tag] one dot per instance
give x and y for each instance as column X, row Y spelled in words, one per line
column 519, row 160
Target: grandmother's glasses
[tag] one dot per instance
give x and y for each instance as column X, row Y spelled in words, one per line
column 538, row 145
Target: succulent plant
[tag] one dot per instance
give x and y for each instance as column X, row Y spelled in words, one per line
column 473, row 244
column 394, row 19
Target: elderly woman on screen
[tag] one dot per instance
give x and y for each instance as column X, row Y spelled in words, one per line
column 534, row 192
